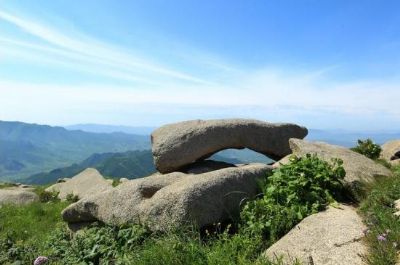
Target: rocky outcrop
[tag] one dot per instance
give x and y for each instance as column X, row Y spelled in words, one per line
column 331, row 237
column 359, row 169
column 172, row 200
column 391, row 152
column 18, row 196
column 177, row 145
column 87, row 183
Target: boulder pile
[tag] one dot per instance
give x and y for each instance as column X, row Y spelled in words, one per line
column 172, row 200
column 190, row 189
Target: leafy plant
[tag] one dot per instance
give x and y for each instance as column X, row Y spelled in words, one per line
column 96, row 245
column 304, row 186
column 136, row 245
column 72, row 198
column 368, row 148
column 12, row 250
column 48, row 196
column 116, row 182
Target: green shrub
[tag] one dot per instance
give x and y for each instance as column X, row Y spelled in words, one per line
column 72, row 198
column 368, row 148
column 116, row 182
column 48, row 196
column 294, row 191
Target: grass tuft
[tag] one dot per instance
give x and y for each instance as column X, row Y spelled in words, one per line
column 383, row 234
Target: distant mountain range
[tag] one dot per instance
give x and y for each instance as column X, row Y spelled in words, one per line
column 349, row 138
column 26, row 149
column 340, row 137
column 100, row 128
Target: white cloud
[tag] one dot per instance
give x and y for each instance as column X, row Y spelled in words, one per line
column 95, row 51
column 159, row 93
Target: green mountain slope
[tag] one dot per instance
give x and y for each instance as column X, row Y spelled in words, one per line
column 131, row 164
column 26, row 149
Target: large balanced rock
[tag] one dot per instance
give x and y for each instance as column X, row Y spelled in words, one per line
column 18, row 196
column 88, row 182
column 331, row 237
column 391, row 152
column 359, row 169
column 172, row 200
column 179, row 144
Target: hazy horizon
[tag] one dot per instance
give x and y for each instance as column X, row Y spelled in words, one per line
column 320, row 64
column 138, row 126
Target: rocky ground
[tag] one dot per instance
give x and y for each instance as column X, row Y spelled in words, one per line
column 191, row 190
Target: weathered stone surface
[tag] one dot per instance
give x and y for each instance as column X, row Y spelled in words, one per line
column 88, row 182
column 122, row 180
column 397, row 207
column 331, row 237
column 391, row 152
column 171, row 200
column 180, row 144
column 359, row 169
column 17, row 196
column 205, row 166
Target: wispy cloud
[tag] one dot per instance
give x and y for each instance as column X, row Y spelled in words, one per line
column 159, row 89
column 87, row 49
column 266, row 89
column 57, row 104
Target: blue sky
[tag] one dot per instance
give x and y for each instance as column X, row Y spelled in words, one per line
column 322, row 64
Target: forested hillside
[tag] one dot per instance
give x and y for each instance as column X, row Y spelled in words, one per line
column 26, row 149
column 131, row 164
